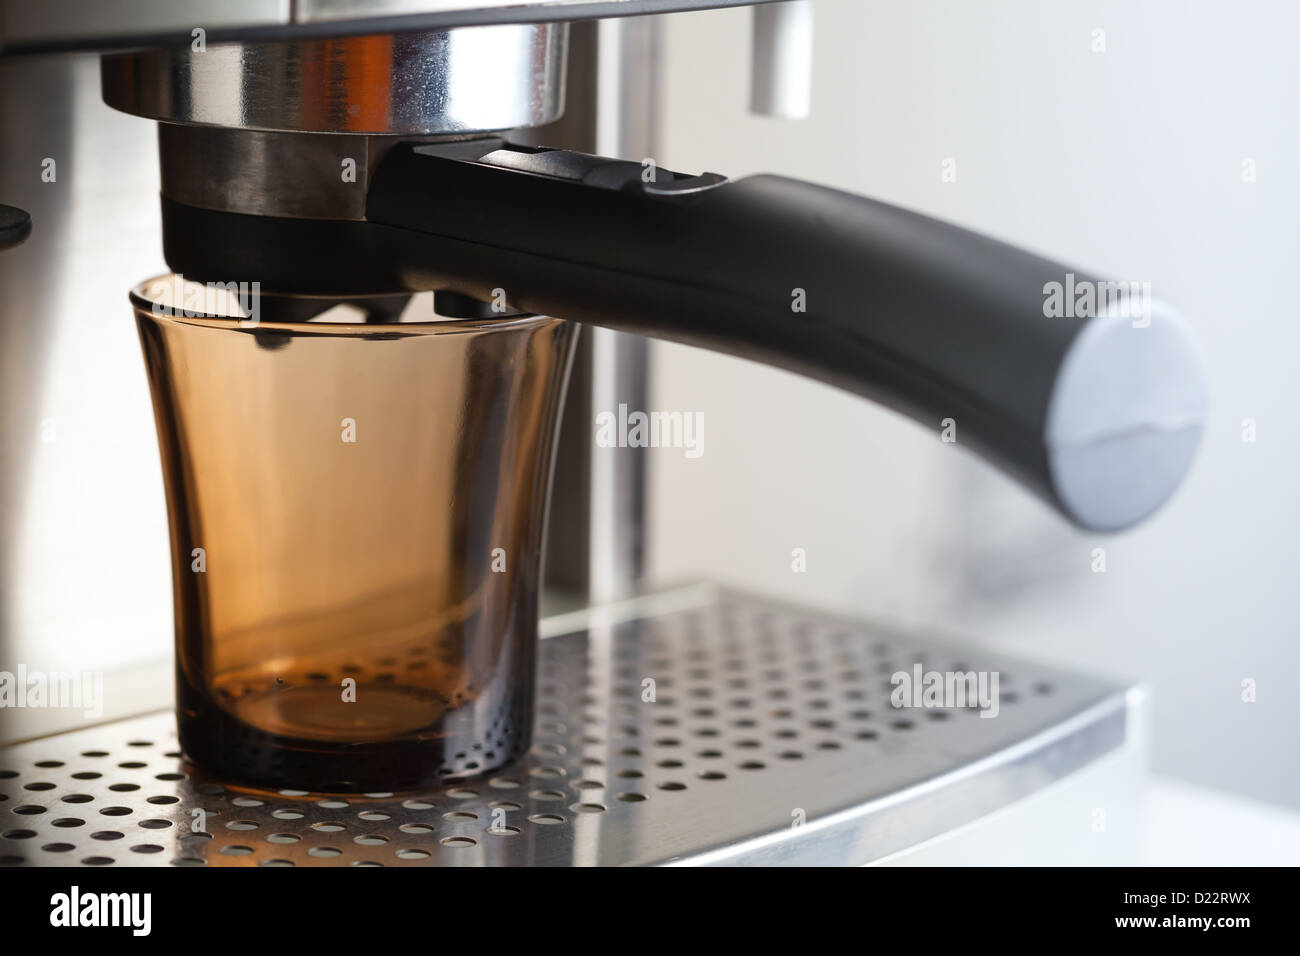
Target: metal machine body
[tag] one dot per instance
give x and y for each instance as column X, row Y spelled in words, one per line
column 770, row 741
column 90, row 176
column 781, row 711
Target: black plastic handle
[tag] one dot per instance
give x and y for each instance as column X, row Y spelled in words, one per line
column 1099, row 414
column 1090, row 393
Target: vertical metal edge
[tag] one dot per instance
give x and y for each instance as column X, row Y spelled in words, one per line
column 566, row 551
column 626, row 127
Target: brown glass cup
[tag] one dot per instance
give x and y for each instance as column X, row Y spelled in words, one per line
column 357, row 516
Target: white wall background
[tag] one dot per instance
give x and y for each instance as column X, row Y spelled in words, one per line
column 1127, row 162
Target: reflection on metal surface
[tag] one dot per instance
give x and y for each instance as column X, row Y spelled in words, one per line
column 93, row 25
column 268, row 174
column 763, row 716
column 317, row 11
column 628, row 78
column 781, row 66
column 443, row 81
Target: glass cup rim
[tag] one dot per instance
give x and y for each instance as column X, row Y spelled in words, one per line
column 147, row 300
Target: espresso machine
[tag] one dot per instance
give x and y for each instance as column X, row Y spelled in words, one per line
column 491, row 164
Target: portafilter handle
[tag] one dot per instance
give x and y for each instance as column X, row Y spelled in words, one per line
column 1091, row 393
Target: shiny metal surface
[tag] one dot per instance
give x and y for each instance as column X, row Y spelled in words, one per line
column 567, row 560
column 26, row 26
column 83, row 527
column 269, row 174
column 770, row 739
column 629, row 66
column 84, row 567
column 443, row 81
column 319, row 11
column 781, row 64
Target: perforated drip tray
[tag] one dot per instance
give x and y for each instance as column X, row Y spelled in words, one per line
column 770, row 739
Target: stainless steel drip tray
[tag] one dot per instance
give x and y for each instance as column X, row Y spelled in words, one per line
column 697, row 727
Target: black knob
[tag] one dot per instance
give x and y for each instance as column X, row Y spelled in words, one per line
column 15, row 226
